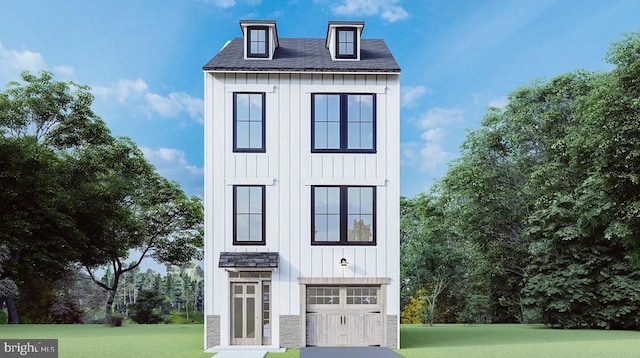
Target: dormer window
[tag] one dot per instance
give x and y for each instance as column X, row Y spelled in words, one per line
column 343, row 40
column 346, row 45
column 258, row 41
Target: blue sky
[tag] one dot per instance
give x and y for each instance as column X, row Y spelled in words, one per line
column 144, row 61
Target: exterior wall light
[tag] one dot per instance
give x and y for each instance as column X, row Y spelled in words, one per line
column 343, row 262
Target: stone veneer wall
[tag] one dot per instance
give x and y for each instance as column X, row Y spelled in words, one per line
column 392, row 331
column 213, row 331
column 290, row 331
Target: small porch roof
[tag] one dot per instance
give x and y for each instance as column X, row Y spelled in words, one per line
column 248, row 260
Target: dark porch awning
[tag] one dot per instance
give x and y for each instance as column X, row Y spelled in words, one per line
column 249, row 260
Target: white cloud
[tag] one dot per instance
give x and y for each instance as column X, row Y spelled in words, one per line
column 170, row 106
column 498, row 102
column 434, row 135
column 386, row 9
column 441, row 117
column 123, row 90
column 67, row 71
column 14, row 62
column 221, row 3
column 174, row 165
column 431, row 153
column 410, row 94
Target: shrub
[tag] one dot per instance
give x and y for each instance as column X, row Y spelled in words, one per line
column 115, row 320
column 146, row 308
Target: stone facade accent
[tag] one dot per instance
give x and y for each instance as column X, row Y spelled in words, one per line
column 290, row 332
column 392, row 331
column 213, row 331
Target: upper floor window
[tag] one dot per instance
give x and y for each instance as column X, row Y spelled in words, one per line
column 248, row 122
column 248, row 215
column 346, row 45
column 258, row 41
column 343, row 215
column 343, row 123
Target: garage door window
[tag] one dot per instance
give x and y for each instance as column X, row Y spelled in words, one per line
column 362, row 296
column 323, row 295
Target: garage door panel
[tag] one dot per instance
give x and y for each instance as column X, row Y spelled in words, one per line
column 344, row 316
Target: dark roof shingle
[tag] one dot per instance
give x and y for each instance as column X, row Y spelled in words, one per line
column 305, row 55
column 248, row 260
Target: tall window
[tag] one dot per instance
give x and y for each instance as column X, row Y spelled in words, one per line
column 258, row 42
column 248, row 122
column 248, row 215
column 346, row 42
column 343, row 123
column 343, row 215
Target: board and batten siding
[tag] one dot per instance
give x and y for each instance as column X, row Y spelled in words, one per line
column 288, row 169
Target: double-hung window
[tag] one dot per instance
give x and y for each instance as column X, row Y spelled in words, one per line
column 248, row 215
column 248, row 122
column 258, row 41
column 343, row 215
column 346, row 45
column 343, row 123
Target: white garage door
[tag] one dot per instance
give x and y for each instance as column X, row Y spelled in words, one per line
column 344, row 316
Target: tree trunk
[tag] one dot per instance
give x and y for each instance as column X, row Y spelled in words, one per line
column 112, row 295
column 12, row 310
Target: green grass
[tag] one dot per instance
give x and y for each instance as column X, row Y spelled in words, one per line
column 417, row 341
column 94, row 340
column 510, row 340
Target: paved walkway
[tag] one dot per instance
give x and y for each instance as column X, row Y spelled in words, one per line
column 240, row 354
column 348, row 352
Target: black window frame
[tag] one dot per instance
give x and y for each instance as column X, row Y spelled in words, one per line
column 344, row 124
column 235, row 216
column 355, row 43
column 262, row 148
column 252, row 54
column 344, row 215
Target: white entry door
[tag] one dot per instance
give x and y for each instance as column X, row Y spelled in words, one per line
column 245, row 309
column 250, row 308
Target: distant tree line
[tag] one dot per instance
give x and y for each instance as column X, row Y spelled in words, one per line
column 72, row 196
column 539, row 219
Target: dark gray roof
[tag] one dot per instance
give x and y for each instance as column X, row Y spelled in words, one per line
column 248, row 260
column 300, row 55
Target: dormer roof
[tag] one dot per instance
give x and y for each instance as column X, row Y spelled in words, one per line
column 260, row 38
column 343, row 40
column 305, row 54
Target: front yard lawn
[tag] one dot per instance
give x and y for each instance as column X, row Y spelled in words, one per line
column 417, row 341
column 512, row 340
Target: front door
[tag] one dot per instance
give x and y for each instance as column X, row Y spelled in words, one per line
column 246, row 320
column 250, row 308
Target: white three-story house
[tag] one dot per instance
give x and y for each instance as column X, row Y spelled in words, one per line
column 302, row 190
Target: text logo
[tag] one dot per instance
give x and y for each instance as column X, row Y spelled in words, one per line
column 40, row 348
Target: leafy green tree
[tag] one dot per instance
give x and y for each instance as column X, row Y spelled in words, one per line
column 585, row 233
column 431, row 254
column 146, row 309
column 40, row 120
column 146, row 213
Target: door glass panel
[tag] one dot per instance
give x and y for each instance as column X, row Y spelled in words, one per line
column 251, row 317
column 251, row 289
column 237, row 316
column 362, row 296
column 266, row 326
column 323, row 295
